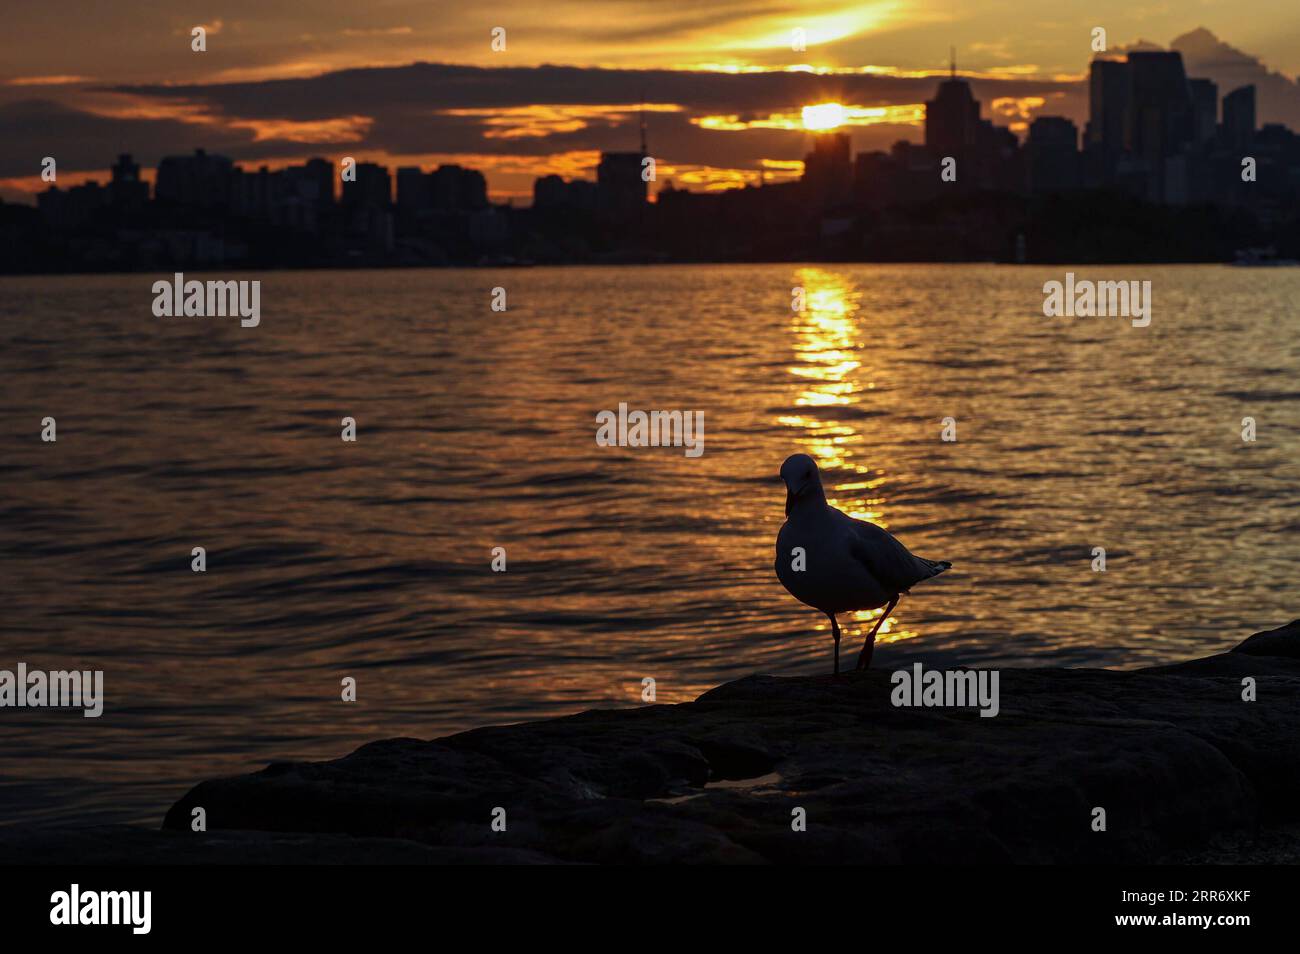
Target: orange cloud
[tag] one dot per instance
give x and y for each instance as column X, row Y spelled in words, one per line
column 57, row 80
column 520, row 122
column 341, row 129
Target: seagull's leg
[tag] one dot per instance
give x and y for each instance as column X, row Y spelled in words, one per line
column 835, row 631
column 864, row 658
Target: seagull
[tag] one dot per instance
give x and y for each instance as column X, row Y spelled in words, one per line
column 834, row 563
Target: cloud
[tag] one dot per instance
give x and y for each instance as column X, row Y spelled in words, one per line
column 61, row 80
column 1277, row 98
column 378, row 31
column 525, row 116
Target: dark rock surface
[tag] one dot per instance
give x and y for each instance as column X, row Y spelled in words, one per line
column 1185, row 769
column 1283, row 641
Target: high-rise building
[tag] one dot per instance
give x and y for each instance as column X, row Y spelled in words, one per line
column 552, row 192
column 828, row 169
column 1052, row 153
column 457, row 189
column 1205, row 110
column 1103, row 137
column 549, row 192
column 1239, row 117
column 321, row 171
column 199, row 181
column 1108, row 92
column 371, row 187
column 73, row 209
column 952, row 120
column 1159, row 124
column 1159, row 114
column 127, row 191
column 414, row 199
column 621, row 192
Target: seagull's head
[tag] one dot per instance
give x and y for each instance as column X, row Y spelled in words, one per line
column 801, row 479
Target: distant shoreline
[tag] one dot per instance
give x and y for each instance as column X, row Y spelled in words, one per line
column 803, row 262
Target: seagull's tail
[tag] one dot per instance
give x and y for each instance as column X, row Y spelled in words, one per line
column 937, row 566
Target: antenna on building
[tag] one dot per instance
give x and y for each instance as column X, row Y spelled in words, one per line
column 952, row 62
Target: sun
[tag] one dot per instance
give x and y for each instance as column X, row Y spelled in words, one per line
column 823, row 116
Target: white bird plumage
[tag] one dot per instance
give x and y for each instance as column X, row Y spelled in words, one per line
column 848, row 564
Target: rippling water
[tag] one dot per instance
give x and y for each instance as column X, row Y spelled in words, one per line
column 476, row 430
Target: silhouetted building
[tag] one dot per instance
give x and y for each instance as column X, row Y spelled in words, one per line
column 295, row 197
column 1103, row 138
column 1205, row 110
column 457, row 189
column 414, row 198
column 200, row 181
column 127, row 193
column 1239, row 117
column 552, row 192
column 952, row 121
column 1052, row 155
column 321, row 172
column 621, row 192
column 1159, row 122
column 72, row 209
column 371, row 187
column 1108, row 92
column 828, row 169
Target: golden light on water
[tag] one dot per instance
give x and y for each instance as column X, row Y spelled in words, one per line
column 823, row 116
column 827, row 375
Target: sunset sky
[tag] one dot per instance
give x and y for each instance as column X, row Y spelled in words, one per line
column 418, row 83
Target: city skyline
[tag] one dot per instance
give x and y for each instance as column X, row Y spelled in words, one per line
column 1156, row 137
column 709, row 129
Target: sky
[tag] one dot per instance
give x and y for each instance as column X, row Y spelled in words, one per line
column 420, row 83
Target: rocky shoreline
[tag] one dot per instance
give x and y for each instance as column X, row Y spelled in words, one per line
column 1184, row 767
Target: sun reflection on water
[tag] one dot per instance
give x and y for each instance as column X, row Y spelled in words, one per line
column 828, row 374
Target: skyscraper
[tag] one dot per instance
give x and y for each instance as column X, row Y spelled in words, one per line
column 1053, row 154
column 413, row 200
column 454, row 188
column 620, row 190
column 127, row 191
column 828, row 169
column 199, row 181
column 1159, row 123
column 952, row 120
column 371, row 187
column 1239, row 117
column 1205, row 109
column 1108, row 92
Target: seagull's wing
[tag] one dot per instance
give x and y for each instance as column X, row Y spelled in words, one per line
column 886, row 559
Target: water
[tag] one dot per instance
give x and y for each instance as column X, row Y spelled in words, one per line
column 476, row 430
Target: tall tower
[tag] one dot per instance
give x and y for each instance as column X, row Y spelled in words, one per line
column 1239, row 116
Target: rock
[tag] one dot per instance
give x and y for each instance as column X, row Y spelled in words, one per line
column 1183, row 767
column 1283, row 641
